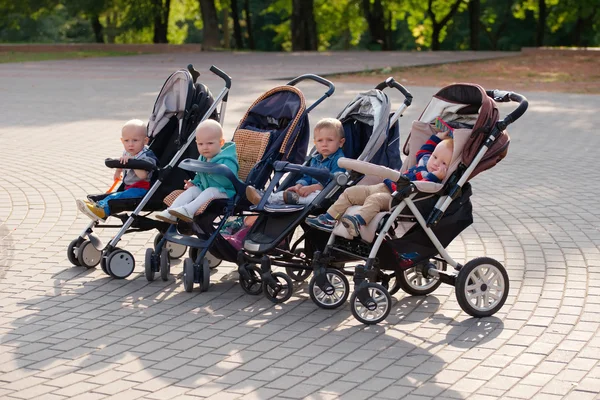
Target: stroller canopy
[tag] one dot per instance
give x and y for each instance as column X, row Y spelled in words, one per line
column 174, row 98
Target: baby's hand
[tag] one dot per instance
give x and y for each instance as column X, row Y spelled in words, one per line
column 188, row 184
column 306, row 190
column 296, row 188
column 117, row 174
column 124, row 159
column 443, row 135
column 440, row 173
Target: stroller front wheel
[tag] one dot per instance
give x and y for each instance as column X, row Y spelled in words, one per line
column 371, row 303
column 72, row 251
column 87, row 255
column 282, row 289
column 165, row 264
column 188, row 275
column 148, row 265
column 120, row 263
column 482, row 287
column 335, row 294
column 253, row 284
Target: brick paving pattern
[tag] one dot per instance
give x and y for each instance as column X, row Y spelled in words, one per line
column 71, row 333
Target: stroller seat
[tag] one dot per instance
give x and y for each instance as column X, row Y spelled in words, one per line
column 122, row 205
column 367, row 232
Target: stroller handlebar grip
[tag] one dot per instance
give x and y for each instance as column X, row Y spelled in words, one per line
column 320, row 174
column 391, row 83
column 189, row 164
column 315, row 78
column 506, row 96
column 366, row 168
column 131, row 164
column 221, row 74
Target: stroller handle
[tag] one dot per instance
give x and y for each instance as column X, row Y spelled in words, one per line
column 221, row 74
column 320, row 174
column 366, row 168
column 317, row 79
column 503, row 96
column 189, row 164
column 391, row 83
column 131, row 164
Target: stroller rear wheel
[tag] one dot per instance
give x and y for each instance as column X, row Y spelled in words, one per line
column 482, row 287
column 87, row 254
column 297, row 274
column 213, row 261
column 188, row 275
column 204, row 275
column 176, row 250
column 282, row 289
column 413, row 282
column 165, row 264
column 377, row 303
column 338, row 293
column 252, row 285
column 149, row 265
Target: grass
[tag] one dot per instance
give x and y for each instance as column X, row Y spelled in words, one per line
column 17, row 56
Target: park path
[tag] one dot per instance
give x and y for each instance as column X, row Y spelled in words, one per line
column 71, row 333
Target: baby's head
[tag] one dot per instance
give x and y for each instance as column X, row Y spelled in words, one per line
column 209, row 138
column 440, row 159
column 329, row 136
column 133, row 136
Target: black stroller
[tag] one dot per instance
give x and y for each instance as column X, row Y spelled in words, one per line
column 180, row 106
column 410, row 240
column 275, row 128
column 372, row 134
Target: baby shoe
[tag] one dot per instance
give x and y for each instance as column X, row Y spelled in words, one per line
column 321, row 222
column 165, row 216
column 182, row 214
column 352, row 224
column 91, row 210
column 290, row 197
column 253, row 195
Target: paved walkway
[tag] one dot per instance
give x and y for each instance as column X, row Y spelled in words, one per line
column 72, row 333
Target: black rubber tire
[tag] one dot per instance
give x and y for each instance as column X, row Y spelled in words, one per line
column 413, row 289
column 126, row 260
column 188, row 275
column 103, row 264
column 204, row 276
column 463, row 280
column 286, row 288
column 148, row 267
column 337, row 277
column 83, row 255
column 372, row 287
column 299, row 275
column 193, row 253
column 157, row 239
column 71, row 251
column 253, row 287
column 165, row 264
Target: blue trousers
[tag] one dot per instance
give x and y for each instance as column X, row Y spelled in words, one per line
column 125, row 194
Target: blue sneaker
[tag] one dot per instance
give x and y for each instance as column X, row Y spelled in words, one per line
column 352, row 223
column 321, row 222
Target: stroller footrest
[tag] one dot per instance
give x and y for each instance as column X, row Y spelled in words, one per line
column 189, row 241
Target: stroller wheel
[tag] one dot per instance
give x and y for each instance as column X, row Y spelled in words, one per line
column 377, row 303
column 413, row 282
column 188, row 275
column 165, row 264
column 176, row 250
column 299, row 275
column 204, row 275
column 482, row 287
column 253, row 285
column 148, row 266
column 72, row 251
column 120, row 263
column 87, row 255
column 340, row 289
column 282, row 290
column 213, row 261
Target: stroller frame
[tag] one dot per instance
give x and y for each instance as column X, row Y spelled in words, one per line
column 371, row 302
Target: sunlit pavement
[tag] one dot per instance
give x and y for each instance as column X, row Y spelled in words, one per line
column 69, row 332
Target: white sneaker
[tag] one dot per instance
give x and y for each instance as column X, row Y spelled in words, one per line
column 166, row 217
column 182, row 214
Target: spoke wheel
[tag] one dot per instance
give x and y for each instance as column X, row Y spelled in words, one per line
column 165, row 264
column 283, row 290
column 72, row 251
column 148, row 267
column 254, row 285
column 341, row 290
column 120, row 264
column 413, row 282
column 188, row 275
column 482, row 287
column 376, row 314
column 87, row 255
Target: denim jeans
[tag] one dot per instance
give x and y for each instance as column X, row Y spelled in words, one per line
column 125, row 194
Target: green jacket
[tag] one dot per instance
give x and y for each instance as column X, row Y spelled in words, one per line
column 227, row 157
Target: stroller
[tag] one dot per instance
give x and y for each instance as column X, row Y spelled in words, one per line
column 404, row 240
column 180, row 106
column 275, row 128
column 372, row 135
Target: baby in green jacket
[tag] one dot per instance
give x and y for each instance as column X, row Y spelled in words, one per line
column 205, row 186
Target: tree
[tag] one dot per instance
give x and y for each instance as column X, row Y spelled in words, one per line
column 474, row 23
column 249, row 25
column 210, row 24
column 541, row 25
column 303, row 26
column 375, row 19
column 161, row 9
column 237, row 29
column 437, row 26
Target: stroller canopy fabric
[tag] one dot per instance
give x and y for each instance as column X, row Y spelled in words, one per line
column 173, row 99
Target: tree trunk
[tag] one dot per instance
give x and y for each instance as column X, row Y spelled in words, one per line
column 375, row 20
column 225, row 25
column 97, row 28
column 249, row 25
column 210, row 25
column 161, row 20
column 474, row 13
column 438, row 26
column 541, row 28
column 304, row 28
column 237, row 29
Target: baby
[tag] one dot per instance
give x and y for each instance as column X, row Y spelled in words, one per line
column 137, row 181
column 205, row 186
column 328, row 139
column 433, row 160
